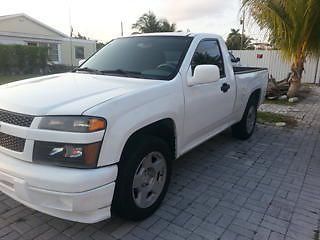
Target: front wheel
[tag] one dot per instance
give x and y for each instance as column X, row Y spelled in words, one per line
column 144, row 174
column 244, row 129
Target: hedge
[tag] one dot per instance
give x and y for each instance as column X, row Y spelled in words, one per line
column 20, row 59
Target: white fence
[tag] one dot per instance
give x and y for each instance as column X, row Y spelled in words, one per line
column 278, row 68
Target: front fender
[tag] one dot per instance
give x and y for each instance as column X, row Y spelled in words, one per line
column 129, row 114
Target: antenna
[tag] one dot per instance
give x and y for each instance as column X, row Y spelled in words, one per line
column 121, row 28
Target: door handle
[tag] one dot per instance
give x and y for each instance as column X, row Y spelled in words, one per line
column 225, row 87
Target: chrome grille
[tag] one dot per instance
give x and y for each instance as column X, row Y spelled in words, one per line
column 11, row 142
column 16, row 118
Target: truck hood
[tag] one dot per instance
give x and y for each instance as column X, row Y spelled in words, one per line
column 67, row 93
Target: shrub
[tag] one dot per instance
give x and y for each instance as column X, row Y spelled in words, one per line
column 20, row 59
column 58, row 68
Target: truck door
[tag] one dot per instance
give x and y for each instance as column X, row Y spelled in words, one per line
column 208, row 106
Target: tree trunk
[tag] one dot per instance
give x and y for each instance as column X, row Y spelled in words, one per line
column 297, row 69
column 294, row 87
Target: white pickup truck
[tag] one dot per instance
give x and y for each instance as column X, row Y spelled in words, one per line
column 102, row 138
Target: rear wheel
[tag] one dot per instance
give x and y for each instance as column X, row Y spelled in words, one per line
column 244, row 129
column 143, row 178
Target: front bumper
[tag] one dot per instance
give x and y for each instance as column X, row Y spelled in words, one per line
column 72, row 194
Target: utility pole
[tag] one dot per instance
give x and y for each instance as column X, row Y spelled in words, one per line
column 242, row 34
column 71, row 32
column 121, row 29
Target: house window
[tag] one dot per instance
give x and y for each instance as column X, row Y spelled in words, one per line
column 32, row 44
column 79, row 52
column 53, row 52
column 43, row 44
column 53, row 49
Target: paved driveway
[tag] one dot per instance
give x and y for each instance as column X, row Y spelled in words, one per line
column 264, row 188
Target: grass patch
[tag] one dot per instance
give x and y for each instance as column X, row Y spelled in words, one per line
column 6, row 79
column 273, row 118
column 284, row 102
column 304, row 92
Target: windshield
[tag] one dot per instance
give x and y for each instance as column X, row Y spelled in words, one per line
column 152, row 57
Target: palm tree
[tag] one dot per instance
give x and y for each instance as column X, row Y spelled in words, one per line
column 149, row 23
column 294, row 27
column 234, row 40
column 165, row 26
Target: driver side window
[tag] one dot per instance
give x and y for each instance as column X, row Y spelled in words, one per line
column 208, row 52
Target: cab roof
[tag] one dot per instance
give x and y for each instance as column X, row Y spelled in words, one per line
column 183, row 34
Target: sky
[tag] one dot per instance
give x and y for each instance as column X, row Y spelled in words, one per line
column 101, row 19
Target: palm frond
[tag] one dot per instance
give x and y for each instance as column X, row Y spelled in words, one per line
column 293, row 25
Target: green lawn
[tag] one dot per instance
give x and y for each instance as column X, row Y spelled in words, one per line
column 7, row 79
column 273, row 118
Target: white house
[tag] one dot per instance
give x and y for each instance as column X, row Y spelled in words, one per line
column 25, row 30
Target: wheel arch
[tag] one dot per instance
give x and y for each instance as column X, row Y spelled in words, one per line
column 256, row 95
column 164, row 129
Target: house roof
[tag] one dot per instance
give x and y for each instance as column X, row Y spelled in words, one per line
column 5, row 17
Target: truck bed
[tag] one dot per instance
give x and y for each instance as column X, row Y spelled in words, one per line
column 243, row 70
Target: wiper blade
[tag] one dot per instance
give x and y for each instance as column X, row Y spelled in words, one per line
column 106, row 72
column 86, row 69
column 122, row 72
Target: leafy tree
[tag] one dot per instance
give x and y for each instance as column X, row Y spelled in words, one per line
column 79, row 36
column 100, row 45
column 165, row 26
column 294, row 28
column 149, row 23
column 234, row 40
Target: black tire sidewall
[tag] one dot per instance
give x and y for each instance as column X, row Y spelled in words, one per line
column 124, row 204
column 252, row 104
column 240, row 130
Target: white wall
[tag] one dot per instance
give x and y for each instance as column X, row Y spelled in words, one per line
column 276, row 65
column 66, row 47
column 23, row 24
column 68, row 50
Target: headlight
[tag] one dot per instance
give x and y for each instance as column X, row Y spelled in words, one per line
column 82, row 124
column 67, row 155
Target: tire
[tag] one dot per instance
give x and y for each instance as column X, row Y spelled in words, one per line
column 143, row 178
column 244, row 129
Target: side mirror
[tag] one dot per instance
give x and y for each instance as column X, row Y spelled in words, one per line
column 81, row 61
column 235, row 60
column 204, row 74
